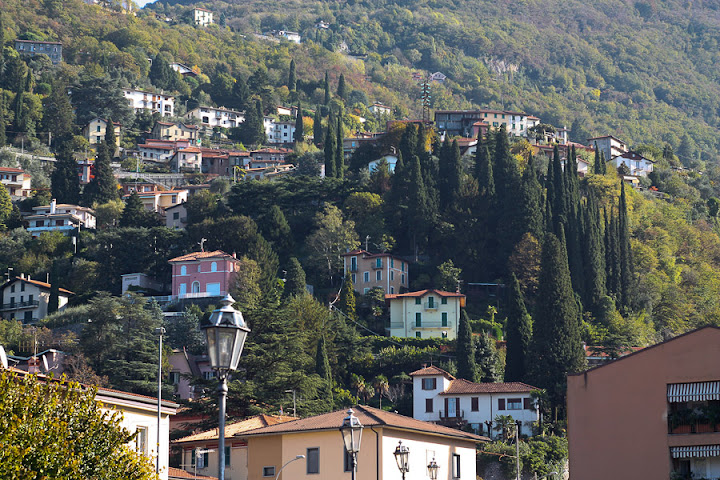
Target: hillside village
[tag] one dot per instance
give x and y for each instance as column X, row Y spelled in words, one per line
column 485, row 289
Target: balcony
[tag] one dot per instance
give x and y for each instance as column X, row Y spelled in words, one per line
column 425, row 324
column 701, row 419
column 19, row 305
column 454, row 419
column 353, row 268
column 430, row 305
column 377, row 266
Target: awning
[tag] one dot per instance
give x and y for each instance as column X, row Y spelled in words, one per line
column 693, row 392
column 695, row 451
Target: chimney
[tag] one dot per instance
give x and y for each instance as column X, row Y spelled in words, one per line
column 22, row 275
column 53, row 204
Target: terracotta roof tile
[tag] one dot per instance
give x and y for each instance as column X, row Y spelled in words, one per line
column 11, row 170
column 239, row 427
column 38, row 283
column 369, row 417
column 176, row 473
column 199, row 255
column 431, row 370
column 421, row 293
column 460, row 386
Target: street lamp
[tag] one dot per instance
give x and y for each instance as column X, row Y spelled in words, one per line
column 401, row 457
column 225, row 333
column 351, row 431
column 297, row 457
column 159, row 331
column 433, row 468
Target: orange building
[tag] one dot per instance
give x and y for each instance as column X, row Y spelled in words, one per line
column 650, row 413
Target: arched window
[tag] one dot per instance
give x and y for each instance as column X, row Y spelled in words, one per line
column 213, row 267
column 196, row 287
column 183, row 270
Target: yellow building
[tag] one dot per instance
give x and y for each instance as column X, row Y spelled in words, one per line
column 425, row 314
column 94, row 132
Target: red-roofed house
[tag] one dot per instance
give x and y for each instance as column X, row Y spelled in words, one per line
column 425, row 314
column 370, row 270
column 174, row 131
column 27, row 300
column 441, row 398
column 17, row 182
column 203, row 274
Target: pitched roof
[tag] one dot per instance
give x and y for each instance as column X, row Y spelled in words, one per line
column 421, row 293
column 431, row 370
column 176, row 473
column 369, row 417
column 37, row 284
column 11, row 170
column 252, row 423
column 200, row 255
column 367, row 254
column 460, row 386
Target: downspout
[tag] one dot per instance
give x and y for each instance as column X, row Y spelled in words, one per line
column 377, row 453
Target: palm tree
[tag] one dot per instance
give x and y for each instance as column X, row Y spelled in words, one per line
column 381, row 387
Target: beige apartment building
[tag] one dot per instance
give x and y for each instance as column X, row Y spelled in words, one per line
column 383, row 270
column 425, row 314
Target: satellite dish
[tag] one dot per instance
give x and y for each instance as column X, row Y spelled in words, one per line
column 45, row 364
column 3, row 358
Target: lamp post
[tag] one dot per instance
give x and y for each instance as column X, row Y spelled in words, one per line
column 225, row 333
column 433, row 468
column 297, row 457
column 401, row 457
column 351, row 431
column 159, row 331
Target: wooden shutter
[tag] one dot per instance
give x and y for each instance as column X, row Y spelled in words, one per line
column 474, row 404
column 528, row 404
column 428, row 405
column 501, row 404
column 434, row 383
column 446, row 407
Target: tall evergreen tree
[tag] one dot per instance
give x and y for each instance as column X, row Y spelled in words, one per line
column 556, row 345
column 58, row 116
column 292, row 78
column 408, row 141
column 339, row 150
column 103, row 187
column 465, row 349
column 507, row 186
column 64, row 181
column 531, row 200
column 597, row 168
column 574, row 227
column 54, row 300
column 240, row 93
column 486, row 358
column 2, row 55
column 450, row 172
column 299, row 133
column 346, row 303
column 626, row 273
column 594, row 254
column 330, row 147
column 295, row 281
column 6, row 206
column 519, row 335
column 326, row 85
column 110, row 140
column 252, row 130
column 3, row 138
column 276, row 230
column 612, row 257
column 342, row 88
column 419, row 217
column 133, row 214
column 559, row 191
column 322, row 368
column 317, row 126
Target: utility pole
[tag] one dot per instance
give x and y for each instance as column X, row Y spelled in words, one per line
column 425, row 97
column 517, row 448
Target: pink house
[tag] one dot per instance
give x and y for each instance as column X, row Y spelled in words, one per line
column 203, row 274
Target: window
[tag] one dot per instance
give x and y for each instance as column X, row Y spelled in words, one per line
column 97, row 128
column 429, row 383
column 366, row 277
column 501, row 404
column 378, row 262
column 392, row 263
column 183, row 270
column 418, row 334
column 455, row 465
column 213, row 267
column 392, row 290
column 365, row 291
column 174, row 378
column 443, row 301
column 227, row 456
column 176, row 215
column 353, row 263
column 444, row 319
column 475, row 404
column 202, row 460
column 196, row 287
column 313, row 460
column 402, row 266
column 30, row 298
column 378, row 275
column 268, row 472
column 353, row 279
column 208, row 375
column 528, row 404
column 428, row 405
column 22, row 287
column 12, row 288
column 418, row 319
column 417, row 301
column 431, row 302
column 141, row 440
column 392, row 275
column 514, row 404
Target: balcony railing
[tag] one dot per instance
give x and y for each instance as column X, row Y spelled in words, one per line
column 425, row 324
column 457, row 414
column 16, row 305
column 700, row 426
column 430, row 306
column 377, row 266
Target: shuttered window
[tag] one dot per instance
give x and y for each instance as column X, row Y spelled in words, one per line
column 501, row 404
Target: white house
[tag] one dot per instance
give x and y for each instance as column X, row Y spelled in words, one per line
column 183, row 69
column 609, row 145
column 203, row 17
column 636, row 163
column 59, row 217
column 460, row 122
column 379, row 109
column 441, row 398
column 282, row 132
column 17, row 182
column 425, row 314
column 176, row 216
column 140, row 282
column 27, row 300
column 216, row 116
column 390, row 159
column 155, row 102
column 189, row 158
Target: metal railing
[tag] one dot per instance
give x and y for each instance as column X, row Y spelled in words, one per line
column 458, row 414
column 12, row 306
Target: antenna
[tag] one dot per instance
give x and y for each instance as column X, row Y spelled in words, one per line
column 202, row 244
column 3, row 358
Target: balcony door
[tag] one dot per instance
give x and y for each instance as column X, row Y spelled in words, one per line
column 452, row 407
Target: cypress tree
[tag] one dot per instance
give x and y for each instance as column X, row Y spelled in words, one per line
column 342, row 88
column 465, row 349
column 451, row 170
column 408, row 141
column 484, row 173
column 317, row 126
column 550, row 197
column 6, row 206
column 54, row 300
column 64, row 182
column 322, row 368
column 595, row 254
column 295, row 281
column 299, row 134
column 574, row 227
column 531, row 202
column 556, row 344
column 419, row 217
column 612, row 255
column 603, row 163
column 110, row 140
column 597, row 168
column 626, row 273
column 346, row 303
column 339, row 150
column 240, row 93
column 19, row 123
column 134, row 213
column 3, row 139
column 330, row 145
column 507, row 186
column 103, row 187
column 58, row 116
column 443, row 171
column 2, row 55
column 326, row 85
column 292, row 78
column 519, row 335
column 259, row 127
